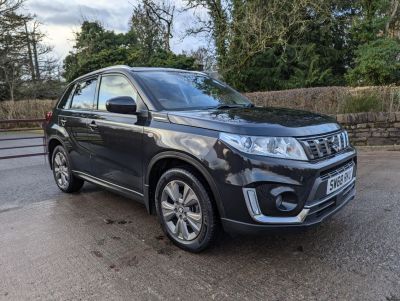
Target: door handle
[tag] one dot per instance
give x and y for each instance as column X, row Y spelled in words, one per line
column 63, row 121
column 92, row 125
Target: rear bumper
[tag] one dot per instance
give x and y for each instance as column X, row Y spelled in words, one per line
column 312, row 215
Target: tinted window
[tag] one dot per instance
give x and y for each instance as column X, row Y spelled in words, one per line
column 185, row 90
column 114, row 86
column 66, row 100
column 84, row 94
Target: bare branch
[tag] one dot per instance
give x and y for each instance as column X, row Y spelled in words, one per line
column 162, row 14
column 7, row 6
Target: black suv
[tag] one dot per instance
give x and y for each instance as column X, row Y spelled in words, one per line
column 199, row 154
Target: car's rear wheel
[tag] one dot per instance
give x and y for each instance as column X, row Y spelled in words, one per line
column 185, row 210
column 62, row 172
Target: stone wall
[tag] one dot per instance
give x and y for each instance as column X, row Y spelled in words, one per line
column 372, row 128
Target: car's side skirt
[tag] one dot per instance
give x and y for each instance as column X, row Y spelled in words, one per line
column 111, row 186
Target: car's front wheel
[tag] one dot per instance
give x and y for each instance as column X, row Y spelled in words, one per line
column 185, row 210
column 62, row 172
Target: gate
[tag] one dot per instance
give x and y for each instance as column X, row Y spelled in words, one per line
column 4, row 138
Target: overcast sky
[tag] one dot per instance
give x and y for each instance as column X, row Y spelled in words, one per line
column 61, row 18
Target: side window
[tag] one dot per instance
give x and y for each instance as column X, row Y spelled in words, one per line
column 84, row 94
column 66, row 99
column 113, row 86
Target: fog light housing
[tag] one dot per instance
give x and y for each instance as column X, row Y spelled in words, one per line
column 286, row 202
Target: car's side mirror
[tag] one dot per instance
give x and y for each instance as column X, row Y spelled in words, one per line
column 121, row 105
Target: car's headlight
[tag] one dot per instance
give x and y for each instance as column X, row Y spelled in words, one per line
column 279, row 147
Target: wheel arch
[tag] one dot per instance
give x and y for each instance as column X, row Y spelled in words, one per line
column 161, row 160
column 52, row 143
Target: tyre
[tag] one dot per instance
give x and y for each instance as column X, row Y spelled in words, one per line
column 185, row 210
column 62, row 172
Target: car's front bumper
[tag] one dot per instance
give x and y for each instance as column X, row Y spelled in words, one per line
column 309, row 216
column 308, row 180
column 232, row 226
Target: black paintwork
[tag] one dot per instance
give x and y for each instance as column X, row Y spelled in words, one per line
column 120, row 151
column 121, row 105
column 258, row 121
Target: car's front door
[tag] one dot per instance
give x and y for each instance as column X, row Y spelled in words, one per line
column 116, row 143
column 73, row 117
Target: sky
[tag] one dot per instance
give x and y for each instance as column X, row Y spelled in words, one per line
column 60, row 19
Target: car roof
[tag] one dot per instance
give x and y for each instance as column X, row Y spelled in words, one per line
column 135, row 69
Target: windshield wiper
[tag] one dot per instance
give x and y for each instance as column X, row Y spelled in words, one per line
column 227, row 106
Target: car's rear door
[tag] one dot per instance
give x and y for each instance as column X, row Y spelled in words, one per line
column 116, row 143
column 74, row 119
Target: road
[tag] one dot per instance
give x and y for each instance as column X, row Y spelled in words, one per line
column 95, row 245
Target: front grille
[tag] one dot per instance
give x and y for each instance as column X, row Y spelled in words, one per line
column 336, row 170
column 324, row 146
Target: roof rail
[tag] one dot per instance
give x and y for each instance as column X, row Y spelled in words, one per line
column 101, row 70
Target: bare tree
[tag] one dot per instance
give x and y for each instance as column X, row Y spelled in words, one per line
column 162, row 13
column 36, row 37
column 30, row 55
column 25, row 61
column 216, row 24
column 7, row 6
column 13, row 60
column 146, row 29
column 251, row 27
column 204, row 57
column 153, row 20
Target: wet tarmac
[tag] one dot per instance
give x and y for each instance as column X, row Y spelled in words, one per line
column 95, row 245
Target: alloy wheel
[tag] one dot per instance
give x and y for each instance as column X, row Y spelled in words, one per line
column 61, row 170
column 181, row 210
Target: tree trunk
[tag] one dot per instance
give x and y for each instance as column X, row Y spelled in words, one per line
column 392, row 15
column 12, row 98
column 166, row 39
column 28, row 42
column 35, row 55
column 220, row 28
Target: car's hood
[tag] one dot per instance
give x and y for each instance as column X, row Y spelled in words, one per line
column 257, row 121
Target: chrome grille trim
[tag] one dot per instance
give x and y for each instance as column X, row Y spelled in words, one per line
column 324, row 146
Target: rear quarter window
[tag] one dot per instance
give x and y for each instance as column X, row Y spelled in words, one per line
column 65, row 101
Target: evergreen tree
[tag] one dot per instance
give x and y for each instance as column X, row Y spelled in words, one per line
column 280, row 44
column 97, row 48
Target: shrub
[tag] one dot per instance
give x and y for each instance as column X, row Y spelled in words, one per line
column 24, row 109
column 377, row 63
column 331, row 100
column 361, row 103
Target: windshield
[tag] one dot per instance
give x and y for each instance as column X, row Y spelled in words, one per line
column 185, row 90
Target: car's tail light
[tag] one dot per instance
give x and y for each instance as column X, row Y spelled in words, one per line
column 48, row 116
